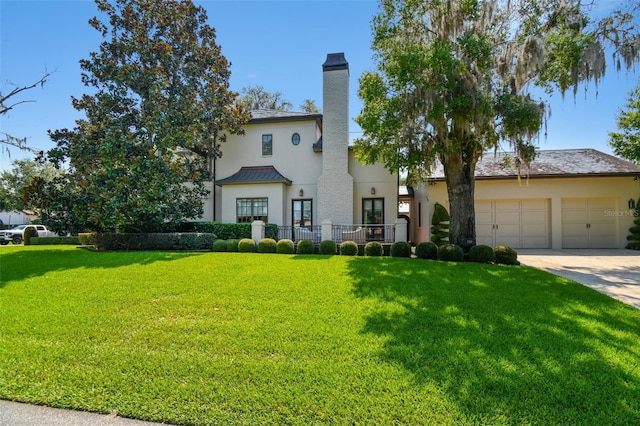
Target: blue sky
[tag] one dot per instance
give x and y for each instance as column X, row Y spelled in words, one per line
column 279, row 45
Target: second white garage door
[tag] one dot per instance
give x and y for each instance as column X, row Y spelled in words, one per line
column 516, row 223
column 586, row 224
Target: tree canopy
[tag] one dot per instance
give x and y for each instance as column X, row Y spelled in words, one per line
column 453, row 81
column 158, row 108
column 257, row 97
column 626, row 142
column 15, row 182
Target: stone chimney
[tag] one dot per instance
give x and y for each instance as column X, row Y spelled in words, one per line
column 335, row 185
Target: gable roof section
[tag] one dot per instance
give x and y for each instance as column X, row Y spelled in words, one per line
column 254, row 175
column 552, row 163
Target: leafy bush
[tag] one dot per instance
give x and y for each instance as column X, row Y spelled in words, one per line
column 506, row 255
column 267, row 245
column 220, row 245
column 153, row 241
column 246, row 245
column 328, row 247
column 634, row 231
column 228, row 231
column 450, row 253
column 373, row 248
column 232, row 245
column 400, row 249
column 348, row 248
column 482, row 254
column 427, row 250
column 29, row 232
column 87, row 239
column 285, row 246
column 440, row 225
column 55, row 241
column 304, row 247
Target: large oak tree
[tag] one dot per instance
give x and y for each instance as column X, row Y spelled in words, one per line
column 453, row 80
column 157, row 108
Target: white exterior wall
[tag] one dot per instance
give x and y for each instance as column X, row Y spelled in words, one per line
column 373, row 176
column 554, row 190
column 300, row 164
column 274, row 192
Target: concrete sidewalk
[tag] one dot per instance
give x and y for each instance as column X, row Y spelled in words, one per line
column 615, row 273
column 17, row 414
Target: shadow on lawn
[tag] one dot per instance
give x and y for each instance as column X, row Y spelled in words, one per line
column 32, row 262
column 507, row 345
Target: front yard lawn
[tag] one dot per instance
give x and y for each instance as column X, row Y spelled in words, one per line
column 231, row 338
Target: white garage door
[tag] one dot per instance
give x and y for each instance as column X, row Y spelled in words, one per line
column 586, row 224
column 516, row 223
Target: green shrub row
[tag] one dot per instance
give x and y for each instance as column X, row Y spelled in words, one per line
column 479, row 254
column 134, row 241
column 55, row 241
column 227, row 231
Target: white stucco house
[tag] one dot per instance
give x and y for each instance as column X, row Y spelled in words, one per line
column 297, row 170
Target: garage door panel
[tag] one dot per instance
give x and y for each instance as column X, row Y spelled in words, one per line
column 585, row 223
column 516, row 223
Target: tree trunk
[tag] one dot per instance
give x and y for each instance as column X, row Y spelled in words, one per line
column 459, row 168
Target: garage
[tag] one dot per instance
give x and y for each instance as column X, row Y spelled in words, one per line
column 516, row 223
column 589, row 223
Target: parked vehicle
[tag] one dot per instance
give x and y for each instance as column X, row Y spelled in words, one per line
column 16, row 234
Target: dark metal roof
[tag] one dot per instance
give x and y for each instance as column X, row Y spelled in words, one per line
column 254, row 175
column 551, row 163
column 273, row 115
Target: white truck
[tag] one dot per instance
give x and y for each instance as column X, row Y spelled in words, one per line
column 16, row 234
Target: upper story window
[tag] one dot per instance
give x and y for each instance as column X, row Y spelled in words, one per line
column 267, row 144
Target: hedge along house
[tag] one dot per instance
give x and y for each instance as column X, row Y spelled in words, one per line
column 297, row 170
column 577, row 198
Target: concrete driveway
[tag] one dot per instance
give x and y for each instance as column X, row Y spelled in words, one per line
column 613, row 272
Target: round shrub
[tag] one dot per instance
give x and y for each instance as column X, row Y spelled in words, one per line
column 304, row 247
column 506, row 255
column 220, row 245
column 246, row 245
column 450, row 253
column 482, row 254
column 267, row 245
column 427, row 250
column 348, row 248
column 232, row 245
column 285, row 246
column 328, row 247
column 400, row 249
column 373, row 248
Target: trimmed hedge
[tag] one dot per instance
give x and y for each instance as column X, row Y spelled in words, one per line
column 506, row 255
column 348, row 248
column 373, row 248
column 246, row 245
column 400, row 249
column 267, row 245
column 29, row 233
column 427, row 250
column 482, row 254
column 152, row 241
column 450, row 253
column 220, row 245
column 232, row 245
column 228, row 231
column 304, row 247
column 55, row 241
column 285, row 246
column 328, row 247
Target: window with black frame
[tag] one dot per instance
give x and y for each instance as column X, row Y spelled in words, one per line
column 250, row 209
column 267, row 145
column 301, row 214
column 373, row 218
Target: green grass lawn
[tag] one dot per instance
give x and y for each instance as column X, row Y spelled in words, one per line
column 229, row 338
